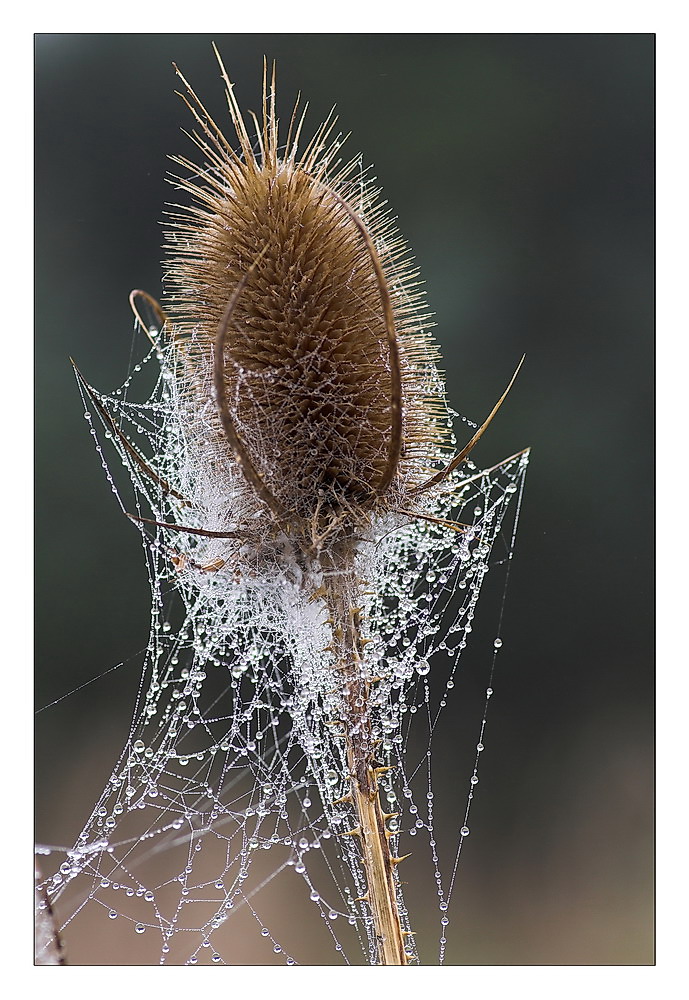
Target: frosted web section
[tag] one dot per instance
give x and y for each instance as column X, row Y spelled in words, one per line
column 220, row 836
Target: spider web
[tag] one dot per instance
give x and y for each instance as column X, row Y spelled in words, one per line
column 221, row 836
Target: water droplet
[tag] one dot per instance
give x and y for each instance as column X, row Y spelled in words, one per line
column 479, row 747
column 139, row 746
column 139, row 928
column 265, row 932
column 423, row 667
column 498, row 643
column 464, row 831
column 215, row 958
column 112, row 914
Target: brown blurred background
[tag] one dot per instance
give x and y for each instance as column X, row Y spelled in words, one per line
column 521, row 170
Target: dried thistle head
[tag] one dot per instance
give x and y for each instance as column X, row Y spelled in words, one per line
column 294, row 304
column 298, row 416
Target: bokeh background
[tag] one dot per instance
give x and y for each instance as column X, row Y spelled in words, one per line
column 521, row 169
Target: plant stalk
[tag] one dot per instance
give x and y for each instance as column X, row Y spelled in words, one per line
column 377, row 860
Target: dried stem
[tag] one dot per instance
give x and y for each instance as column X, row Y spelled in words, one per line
column 377, row 860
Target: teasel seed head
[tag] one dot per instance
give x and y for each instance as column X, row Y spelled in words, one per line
column 294, row 302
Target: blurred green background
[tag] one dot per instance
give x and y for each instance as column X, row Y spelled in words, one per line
column 521, row 170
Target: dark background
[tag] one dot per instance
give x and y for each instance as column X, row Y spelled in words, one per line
column 521, row 170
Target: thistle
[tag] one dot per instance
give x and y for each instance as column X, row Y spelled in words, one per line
column 305, row 456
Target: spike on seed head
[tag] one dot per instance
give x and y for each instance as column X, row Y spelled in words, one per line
column 324, row 371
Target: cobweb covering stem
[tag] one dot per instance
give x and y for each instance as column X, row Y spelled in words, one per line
column 235, row 773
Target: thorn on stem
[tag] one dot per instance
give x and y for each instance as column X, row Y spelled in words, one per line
column 381, row 770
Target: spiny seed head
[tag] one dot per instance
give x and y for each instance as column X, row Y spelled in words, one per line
column 288, row 281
